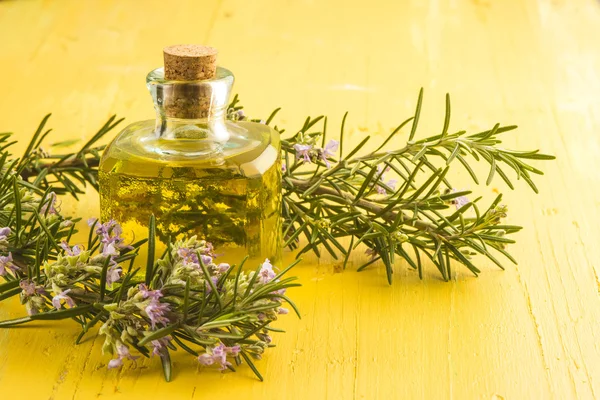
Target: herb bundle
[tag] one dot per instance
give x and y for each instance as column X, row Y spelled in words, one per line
column 397, row 203
column 186, row 299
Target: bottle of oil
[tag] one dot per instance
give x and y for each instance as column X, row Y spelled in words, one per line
column 197, row 172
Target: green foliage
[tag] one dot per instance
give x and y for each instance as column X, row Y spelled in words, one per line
column 185, row 301
column 417, row 215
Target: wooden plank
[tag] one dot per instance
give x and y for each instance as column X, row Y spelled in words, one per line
column 531, row 331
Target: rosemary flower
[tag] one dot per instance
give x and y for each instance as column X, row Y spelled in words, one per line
column 390, row 183
column 35, row 305
column 75, row 251
column 147, row 293
column 62, row 296
column 50, row 206
column 266, row 273
column 122, row 353
column 28, row 287
column 109, row 250
column 206, row 359
column 214, row 280
column 222, row 268
column 188, row 255
column 159, row 346
column 113, row 274
column 4, row 232
column 328, row 151
column 67, row 223
column 206, row 260
column 110, row 233
column 6, row 264
column 303, row 151
column 371, row 252
column 30, row 295
column 155, row 310
column 218, row 354
column 460, row 201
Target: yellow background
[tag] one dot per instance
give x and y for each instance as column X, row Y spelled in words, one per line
column 530, row 332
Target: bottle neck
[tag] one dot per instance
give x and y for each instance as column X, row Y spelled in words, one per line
column 191, row 109
column 210, row 128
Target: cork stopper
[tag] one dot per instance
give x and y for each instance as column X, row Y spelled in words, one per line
column 190, row 62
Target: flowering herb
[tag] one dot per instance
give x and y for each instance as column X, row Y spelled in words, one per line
column 188, row 299
column 398, row 202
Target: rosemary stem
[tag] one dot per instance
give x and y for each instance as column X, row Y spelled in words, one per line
column 364, row 204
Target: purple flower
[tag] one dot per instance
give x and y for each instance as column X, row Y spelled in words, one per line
column 147, row 293
column 159, row 346
column 75, row 251
column 206, row 359
column 6, row 264
column 66, row 223
column 209, row 250
column 218, row 354
column 113, row 274
column 4, row 232
column 156, row 312
column 122, row 353
column 49, row 206
column 303, row 150
column 188, row 255
column 283, row 167
column 233, row 350
column 223, row 267
column 390, row 183
column 62, row 296
column 282, row 310
column 206, row 260
column 371, row 252
column 29, row 288
column 214, row 280
column 110, row 233
column 460, row 200
column 266, row 273
column 109, row 250
column 328, row 151
column 92, row 221
column 115, row 363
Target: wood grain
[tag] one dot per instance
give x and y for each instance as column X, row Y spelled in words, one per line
column 530, row 332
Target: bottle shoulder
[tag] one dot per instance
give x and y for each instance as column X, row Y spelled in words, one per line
column 250, row 148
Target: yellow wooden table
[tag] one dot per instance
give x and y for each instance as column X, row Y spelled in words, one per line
column 530, row 332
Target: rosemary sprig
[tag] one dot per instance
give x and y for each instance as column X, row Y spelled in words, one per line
column 397, row 203
column 188, row 299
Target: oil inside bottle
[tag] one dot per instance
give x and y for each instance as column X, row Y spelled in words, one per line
column 228, row 193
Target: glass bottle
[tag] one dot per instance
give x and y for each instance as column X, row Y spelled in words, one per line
column 196, row 171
